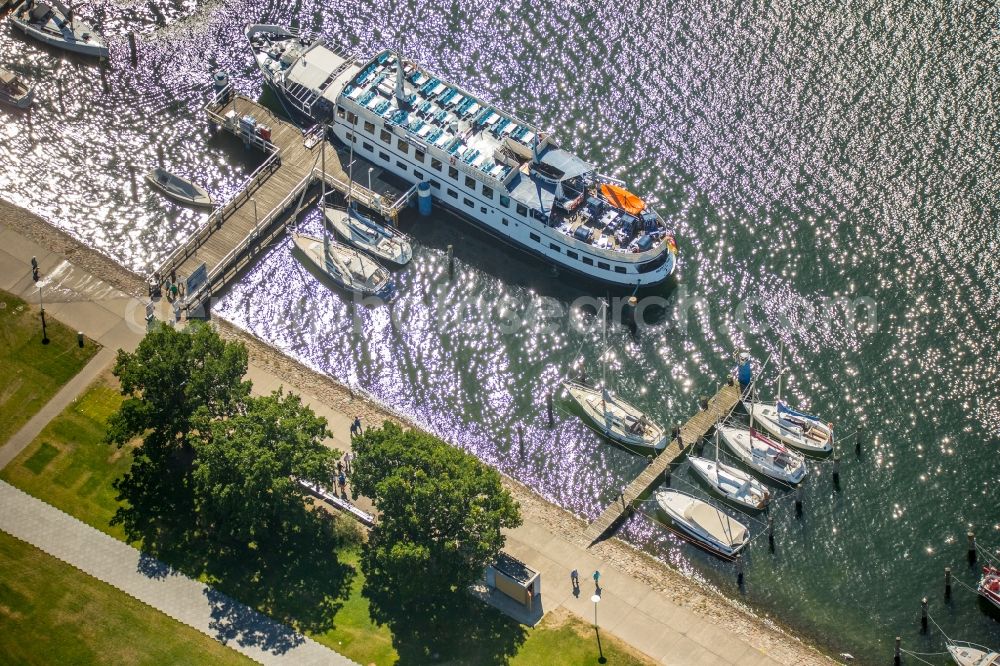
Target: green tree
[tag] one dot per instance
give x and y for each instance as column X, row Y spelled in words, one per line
column 441, row 515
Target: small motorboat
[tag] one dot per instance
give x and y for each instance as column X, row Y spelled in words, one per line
column 617, row 419
column 794, row 428
column 970, row 654
column 55, row 24
column 14, row 91
column 989, row 585
column 179, row 189
column 731, row 483
column 709, row 527
column 764, row 454
column 347, row 267
column 362, row 232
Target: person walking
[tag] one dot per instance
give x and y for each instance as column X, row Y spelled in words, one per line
column 342, row 482
column 356, row 426
column 347, row 462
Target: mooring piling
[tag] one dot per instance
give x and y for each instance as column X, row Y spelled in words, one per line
column 836, row 471
column 133, row 49
column 770, row 532
column 923, row 615
column 972, row 548
column 897, row 656
column 798, row 501
column 666, row 476
column 857, row 443
column 548, row 406
column 451, row 262
column 947, row 583
column 520, row 440
column 739, row 572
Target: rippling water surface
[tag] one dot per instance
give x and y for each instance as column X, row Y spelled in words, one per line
column 805, row 151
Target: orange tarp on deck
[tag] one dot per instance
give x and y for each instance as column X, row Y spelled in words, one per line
column 622, row 198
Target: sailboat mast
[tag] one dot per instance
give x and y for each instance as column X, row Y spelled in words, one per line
column 604, row 360
column 781, row 368
column 322, row 200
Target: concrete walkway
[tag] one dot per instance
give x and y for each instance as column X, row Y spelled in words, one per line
column 153, row 583
column 630, row 609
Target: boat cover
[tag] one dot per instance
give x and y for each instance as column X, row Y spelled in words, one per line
column 719, row 525
column 785, row 409
column 623, row 199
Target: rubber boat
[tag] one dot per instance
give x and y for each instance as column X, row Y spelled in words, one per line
column 970, row 654
column 989, row 585
column 14, row 91
column 794, row 428
column 56, row 25
column 365, row 234
column 763, row 454
column 179, row 189
column 731, row 483
column 709, row 527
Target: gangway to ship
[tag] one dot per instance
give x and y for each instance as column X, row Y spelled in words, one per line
column 258, row 212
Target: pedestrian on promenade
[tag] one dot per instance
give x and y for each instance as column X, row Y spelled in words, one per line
column 597, row 582
column 340, row 467
column 356, row 426
column 347, row 462
column 574, row 579
column 342, row 482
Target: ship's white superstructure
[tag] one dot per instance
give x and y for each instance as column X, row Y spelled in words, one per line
column 482, row 163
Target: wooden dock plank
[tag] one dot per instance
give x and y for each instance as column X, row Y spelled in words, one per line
column 719, row 407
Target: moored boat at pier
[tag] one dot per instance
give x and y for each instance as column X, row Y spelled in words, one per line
column 54, row 24
column 709, row 527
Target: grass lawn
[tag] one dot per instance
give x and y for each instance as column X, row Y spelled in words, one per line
column 70, row 467
column 50, row 613
column 33, row 372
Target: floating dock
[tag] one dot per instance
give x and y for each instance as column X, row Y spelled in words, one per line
column 718, row 408
column 259, row 211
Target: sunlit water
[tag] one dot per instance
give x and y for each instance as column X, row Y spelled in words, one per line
column 805, row 152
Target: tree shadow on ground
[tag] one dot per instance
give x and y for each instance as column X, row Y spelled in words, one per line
column 454, row 629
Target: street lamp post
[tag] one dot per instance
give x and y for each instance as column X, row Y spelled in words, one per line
column 370, row 169
column 600, row 649
column 41, row 305
column 596, row 599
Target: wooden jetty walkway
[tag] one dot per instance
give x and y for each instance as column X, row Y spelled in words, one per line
column 718, row 408
column 256, row 215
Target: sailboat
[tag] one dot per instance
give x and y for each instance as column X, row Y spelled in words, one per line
column 730, row 482
column 707, row 526
column 14, row 91
column 789, row 426
column 764, row 455
column 616, row 418
column 54, row 24
column 989, row 585
column 344, row 265
column 970, row 654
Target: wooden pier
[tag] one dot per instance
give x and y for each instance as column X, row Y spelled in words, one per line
column 719, row 407
column 257, row 214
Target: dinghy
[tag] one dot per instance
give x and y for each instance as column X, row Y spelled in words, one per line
column 617, row 419
column 365, row 234
column 56, row 25
column 989, row 585
column 763, row 454
column 803, row 431
column 709, row 527
column 14, row 91
column 970, row 654
column 730, row 482
column 179, row 189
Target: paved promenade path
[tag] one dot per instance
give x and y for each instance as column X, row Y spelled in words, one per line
column 643, row 617
column 153, row 583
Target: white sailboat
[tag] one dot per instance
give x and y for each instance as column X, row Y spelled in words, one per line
column 616, row 418
column 970, row 654
column 56, row 25
column 764, row 455
column 731, row 482
column 344, row 265
column 709, row 527
column 789, row 426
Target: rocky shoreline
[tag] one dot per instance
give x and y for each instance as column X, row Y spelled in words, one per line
column 765, row 635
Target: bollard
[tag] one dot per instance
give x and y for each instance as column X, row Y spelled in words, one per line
column 798, row 501
column 923, row 615
column 703, row 402
column 133, row 49
column 897, row 657
column 79, row 339
column 548, row 405
column 770, row 531
column 836, row 471
column 947, row 583
column 451, row 262
column 972, row 547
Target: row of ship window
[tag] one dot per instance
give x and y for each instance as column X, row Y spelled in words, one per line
column 522, row 210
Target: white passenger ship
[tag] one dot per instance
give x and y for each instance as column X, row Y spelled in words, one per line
column 482, row 163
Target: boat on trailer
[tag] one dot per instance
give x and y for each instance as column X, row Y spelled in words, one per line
column 14, row 91
column 763, row 454
column 970, row 654
column 709, row 527
column 178, row 188
column 55, row 24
